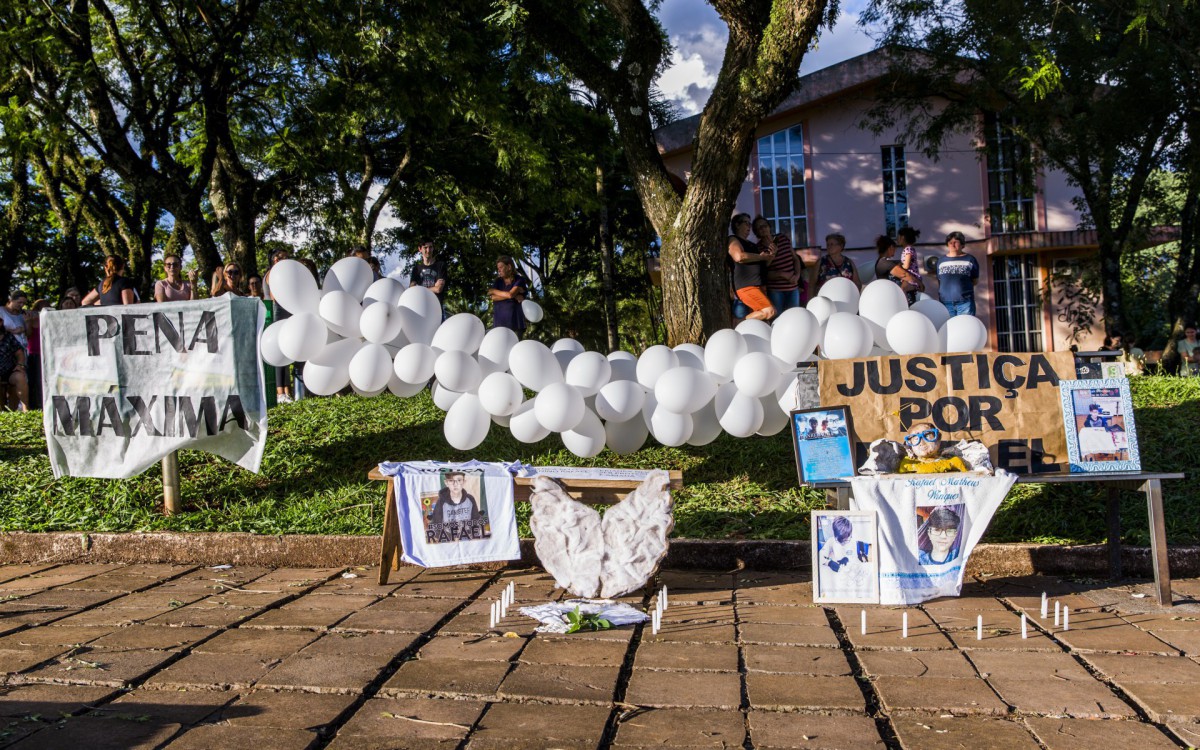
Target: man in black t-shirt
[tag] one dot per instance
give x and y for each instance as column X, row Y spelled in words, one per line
column 430, row 272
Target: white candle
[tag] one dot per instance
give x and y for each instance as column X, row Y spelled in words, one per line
column 512, row 591
column 864, row 622
column 904, row 624
column 1066, row 618
column 1024, row 627
column 655, row 622
column 664, row 598
column 979, row 627
column 492, row 616
column 1057, row 609
column 1045, row 606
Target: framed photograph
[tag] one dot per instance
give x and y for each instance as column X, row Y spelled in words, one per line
column 845, row 557
column 1098, row 419
column 824, row 448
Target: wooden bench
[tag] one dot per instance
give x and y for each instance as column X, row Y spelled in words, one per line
column 586, row 490
column 838, row 495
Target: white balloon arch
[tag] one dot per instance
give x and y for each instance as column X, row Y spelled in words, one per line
column 378, row 336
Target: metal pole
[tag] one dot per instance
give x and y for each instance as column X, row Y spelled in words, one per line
column 170, row 468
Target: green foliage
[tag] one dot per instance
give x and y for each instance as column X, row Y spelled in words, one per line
column 577, row 621
column 319, row 451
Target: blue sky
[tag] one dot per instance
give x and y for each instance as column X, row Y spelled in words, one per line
column 698, row 35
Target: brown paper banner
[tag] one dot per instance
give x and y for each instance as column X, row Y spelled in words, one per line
column 1009, row 402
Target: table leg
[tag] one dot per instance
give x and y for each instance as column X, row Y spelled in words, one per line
column 391, row 534
column 843, row 498
column 1114, row 533
column 1158, row 542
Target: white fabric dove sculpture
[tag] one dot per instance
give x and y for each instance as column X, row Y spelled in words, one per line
column 589, row 556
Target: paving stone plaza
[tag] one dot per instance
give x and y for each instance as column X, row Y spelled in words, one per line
column 149, row 656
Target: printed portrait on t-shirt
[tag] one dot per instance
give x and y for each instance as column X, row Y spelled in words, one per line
column 940, row 531
column 454, row 507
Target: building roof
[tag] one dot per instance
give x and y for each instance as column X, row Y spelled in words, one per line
column 812, row 88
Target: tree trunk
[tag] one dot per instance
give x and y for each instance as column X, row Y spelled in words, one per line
column 12, row 235
column 606, row 264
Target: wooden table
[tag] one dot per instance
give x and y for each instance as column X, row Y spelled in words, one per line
column 838, row 495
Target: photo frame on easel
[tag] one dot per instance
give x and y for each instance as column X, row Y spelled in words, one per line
column 823, row 442
column 1099, row 424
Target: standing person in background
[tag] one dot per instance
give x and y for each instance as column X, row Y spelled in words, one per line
column 13, row 315
column 283, row 379
column 255, row 286
column 227, row 280
column 1189, row 351
column 957, row 273
column 785, row 287
column 907, row 238
column 115, row 289
column 887, row 267
column 507, row 293
column 173, row 288
column 376, row 269
column 71, row 296
column 33, row 373
column 749, row 269
column 430, row 273
column 834, row 264
column 13, row 372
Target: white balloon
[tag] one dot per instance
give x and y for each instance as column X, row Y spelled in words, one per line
column 524, row 425
column 567, row 345
column 495, row 347
column 329, row 371
column 880, row 300
column 466, row 423
column 910, row 332
column 620, row 400
column 366, row 394
column 457, row 371
column 934, row 310
column 795, row 335
column 589, row 372
column 757, row 334
column 380, row 322
column 742, row 415
column 774, row 418
column 371, row 369
column 443, row 397
column 669, row 428
column 624, row 366
column 690, row 355
column 626, row 437
column 922, row 296
column 587, row 439
column 683, row 390
column 422, row 314
column 724, row 349
column 404, row 390
column 463, row 332
column 533, row 365
column 268, row 346
column 822, row 308
column 559, row 407
column 415, row 363
column 846, row 337
column 963, row 333
column 756, row 374
column 705, row 426
column 501, row 420
column 841, row 292
column 294, row 288
column 386, row 290
column 500, row 394
column 653, row 363
column 341, row 311
column 302, row 336
column 564, row 357
column 533, row 311
column 352, row 275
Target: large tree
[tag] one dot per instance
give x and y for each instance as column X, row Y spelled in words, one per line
column 617, row 49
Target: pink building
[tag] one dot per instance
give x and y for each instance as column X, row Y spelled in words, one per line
column 815, row 170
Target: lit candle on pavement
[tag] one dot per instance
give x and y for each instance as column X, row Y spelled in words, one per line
column 979, row 627
column 1045, row 606
column 1024, row 627
column 1057, row 615
column 1066, row 618
column 904, row 624
column 664, row 598
column 864, row 622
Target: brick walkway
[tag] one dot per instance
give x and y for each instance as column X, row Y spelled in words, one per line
column 148, row 656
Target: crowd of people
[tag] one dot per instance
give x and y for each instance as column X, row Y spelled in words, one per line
column 768, row 275
column 20, row 342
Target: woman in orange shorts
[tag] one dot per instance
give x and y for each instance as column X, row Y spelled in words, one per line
column 749, row 270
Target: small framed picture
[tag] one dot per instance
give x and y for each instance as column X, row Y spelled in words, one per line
column 1098, row 419
column 1112, row 370
column 824, row 448
column 845, row 557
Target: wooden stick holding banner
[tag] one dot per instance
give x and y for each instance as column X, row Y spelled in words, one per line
column 172, row 503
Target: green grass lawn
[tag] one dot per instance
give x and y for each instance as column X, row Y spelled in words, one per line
column 313, row 478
